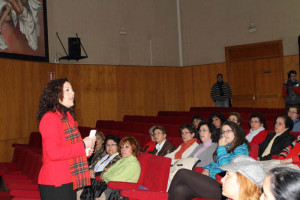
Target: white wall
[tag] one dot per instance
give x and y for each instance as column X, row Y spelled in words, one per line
column 207, row 27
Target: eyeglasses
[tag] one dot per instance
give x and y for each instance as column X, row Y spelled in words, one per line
column 292, row 112
column 155, row 134
column 232, row 120
column 111, row 145
column 185, row 133
column 203, row 130
column 228, row 131
column 254, row 122
column 125, row 147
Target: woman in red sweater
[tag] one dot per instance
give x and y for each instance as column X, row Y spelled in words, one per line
column 291, row 154
column 257, row 133
column 65, row 166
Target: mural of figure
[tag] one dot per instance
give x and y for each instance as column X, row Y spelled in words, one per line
column 24, row 12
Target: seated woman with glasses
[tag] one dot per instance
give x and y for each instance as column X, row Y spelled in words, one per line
column 187, row 147
column 293, row 113
column 103, row 164
column 127, row 169
column 163, row 146
column 235, row 117
column 277, row 141
column 231, row 144
column 257, row 133
column 205, row 150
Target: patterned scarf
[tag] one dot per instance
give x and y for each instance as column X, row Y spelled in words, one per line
column 78, row 166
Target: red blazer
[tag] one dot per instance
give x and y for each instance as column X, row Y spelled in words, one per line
column 259, row 138
column 56, row 152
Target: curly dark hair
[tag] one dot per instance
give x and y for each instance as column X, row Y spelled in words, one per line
column 49, row 100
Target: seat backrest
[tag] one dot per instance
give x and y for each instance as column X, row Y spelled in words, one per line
column 35, row 139
column 154, row 172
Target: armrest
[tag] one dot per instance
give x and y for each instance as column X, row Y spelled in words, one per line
column 25, row 194
column 122, row 185
column 144, row 195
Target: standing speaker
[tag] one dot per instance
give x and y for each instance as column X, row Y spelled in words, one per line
column 74, row 47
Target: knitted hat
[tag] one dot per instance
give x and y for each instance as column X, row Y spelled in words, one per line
column 248, row 167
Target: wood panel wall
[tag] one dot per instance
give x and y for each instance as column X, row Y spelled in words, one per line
column 102, row 92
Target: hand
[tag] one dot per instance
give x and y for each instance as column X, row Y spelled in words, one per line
column 222, row 142
column 205, row 172
column 286, row 161
column 89, row 142
column 92, row 173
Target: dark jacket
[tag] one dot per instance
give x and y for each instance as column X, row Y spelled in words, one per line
column 281, row 142
column 168, row 147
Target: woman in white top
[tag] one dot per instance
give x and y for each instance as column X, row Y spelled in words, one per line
column 187, row 147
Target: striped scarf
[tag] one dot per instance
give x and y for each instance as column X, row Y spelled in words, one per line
column 78, row 166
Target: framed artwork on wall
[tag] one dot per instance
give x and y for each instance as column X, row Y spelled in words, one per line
column 23, row 30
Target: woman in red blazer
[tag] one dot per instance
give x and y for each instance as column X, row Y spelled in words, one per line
column 65, row 166
column 257, row 133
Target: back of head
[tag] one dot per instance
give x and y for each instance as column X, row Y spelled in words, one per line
column 285, row 183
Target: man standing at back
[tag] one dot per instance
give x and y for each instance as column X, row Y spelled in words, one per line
column 291, row 90
column 221, row 92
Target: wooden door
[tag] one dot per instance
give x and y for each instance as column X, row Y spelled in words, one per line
column 255, row 74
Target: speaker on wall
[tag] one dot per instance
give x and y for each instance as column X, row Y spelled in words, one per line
column 74, row 47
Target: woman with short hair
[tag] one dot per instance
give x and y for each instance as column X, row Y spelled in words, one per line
column 257, row 133
column 282, row 183
column 277, row 141
column 163, row 145
column 187, row 147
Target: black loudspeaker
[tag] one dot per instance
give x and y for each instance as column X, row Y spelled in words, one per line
column 74, row 47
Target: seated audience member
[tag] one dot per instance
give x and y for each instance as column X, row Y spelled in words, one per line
column 257, row 133
column 293, row 113
column 150, row 146
column 217, row 119
column 196, row 120
column 282, row 183
column 291, row 154
column 111, row 146
column 188, row 184
column 163, row 146
column 235, row 117
column 127, row 169
column 243, row 180
column 276, row 142
column 99, row 150
column 187, row 147
column 204, row 151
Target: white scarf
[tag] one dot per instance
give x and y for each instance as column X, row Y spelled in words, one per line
column 252, row 134
column 103, row 162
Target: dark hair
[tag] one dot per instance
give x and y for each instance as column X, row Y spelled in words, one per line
column 288, row 122
column 161, row 128
column 116, row 139
column 218, row 115
column 219, row 75
column 212, row 129
column 295, row 106
column 260, row 117
column 49, row 100
column 285, row 183
column 132, row 141
column 291, row 72
column 198, row 117
column 190, row 127
column 101, row 135
column 238, row 116
column 239, row 137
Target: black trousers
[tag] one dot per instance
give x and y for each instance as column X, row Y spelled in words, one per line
column 188, row 184
column 64, row 192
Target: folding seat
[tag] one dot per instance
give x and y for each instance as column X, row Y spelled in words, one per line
column 270, row 125
column 106, row 124
column 138, row 127
column 173, row 131
column 139, row 136
column 176, row 141
column 84, row 131
column 106, row 132
column 162, row 113
column 126, row 126
column 154, row 177
column 35, row 139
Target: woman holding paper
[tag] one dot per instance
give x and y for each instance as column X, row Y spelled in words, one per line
column 65, row 166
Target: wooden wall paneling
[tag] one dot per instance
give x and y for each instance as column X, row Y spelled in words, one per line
column 242, row 83
column 171, row 84
column 269, row 82
column 155, row 89
column 6, row 150
column 4, row 78
column 186, row 89
column 108, row 101
column 202, row 86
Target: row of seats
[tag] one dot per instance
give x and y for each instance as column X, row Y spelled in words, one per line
column 21, row 175
column 240, row 109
